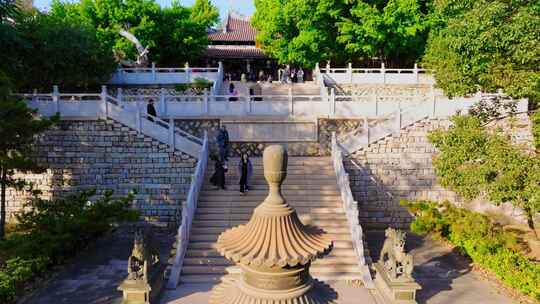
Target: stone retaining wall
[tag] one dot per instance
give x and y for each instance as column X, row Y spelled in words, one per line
column 321, row 147
column 105, row 155
column 401, row 168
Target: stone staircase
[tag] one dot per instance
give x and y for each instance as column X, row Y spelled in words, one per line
column 310, row 187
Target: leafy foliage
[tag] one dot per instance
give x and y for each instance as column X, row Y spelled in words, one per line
column 18, row 127
column 307, row 32
column 475, row 162
column 69, row 54
column 174, row 34
column 297, row 31
column 394, row 30
column 53, row 231
column 488, row 245
column 485, row 45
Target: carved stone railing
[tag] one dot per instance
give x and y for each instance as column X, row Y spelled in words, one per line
column 102, row 106
column 351, row 211
column 382, row 75
column 188, row 213
column 154, row 76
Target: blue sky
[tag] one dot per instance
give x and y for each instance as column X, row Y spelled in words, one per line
column 245, row 7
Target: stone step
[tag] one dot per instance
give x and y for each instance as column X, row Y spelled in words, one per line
column 231, row 223
column 314, row 269
column 264, row 193
column 300, row 182
column 214, row 237
column 248, row 197
column 211, row 245
column 221, row 261
column 220, row 209
column 247, row 216
column 198, row 252
column 289, row 187
column 218, row 230
column 215, row 278
column 253, row 204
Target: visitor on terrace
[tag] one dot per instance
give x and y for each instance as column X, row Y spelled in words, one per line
column 245, row 170
column 233, row 92
column 300, row 75
column 151, row 110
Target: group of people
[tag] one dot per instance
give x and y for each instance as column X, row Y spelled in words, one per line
column 245, row 169
column 288, row 75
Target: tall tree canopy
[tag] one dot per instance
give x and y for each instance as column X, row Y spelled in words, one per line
column 394, row 30
column 307, row 32
column 298, row 31
column 39, row 51
column 486, row 45
column 174, row 34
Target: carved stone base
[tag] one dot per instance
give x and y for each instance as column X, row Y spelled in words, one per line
column 392, row 291
column 135, row 292
column 141, row 292
column 230, row 291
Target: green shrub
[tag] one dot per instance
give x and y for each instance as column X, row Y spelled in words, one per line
column 51, row 231
column 198, row 85
column 535, row 119
column 487, row 244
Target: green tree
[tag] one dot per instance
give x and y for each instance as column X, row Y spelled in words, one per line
column 394, row 30
column 474, row 162
column 203, row 12
column 58, row 52
column 180, row 36
column 18, row 127
column 8, row 9
column 486, row 45
column 174, row 34
column 298, row 31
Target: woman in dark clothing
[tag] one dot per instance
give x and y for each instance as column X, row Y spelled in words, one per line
column 218, row 178
column 245, row 169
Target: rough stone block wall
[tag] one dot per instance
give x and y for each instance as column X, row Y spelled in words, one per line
column 401, row 167
column 105, row 155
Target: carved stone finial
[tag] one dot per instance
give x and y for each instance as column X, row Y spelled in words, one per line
column 274, row 249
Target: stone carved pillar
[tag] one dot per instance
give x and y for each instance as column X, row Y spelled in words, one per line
column 274, row 250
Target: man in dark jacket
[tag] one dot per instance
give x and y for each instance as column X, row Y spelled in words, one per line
column 223, row 144
column 151, row 110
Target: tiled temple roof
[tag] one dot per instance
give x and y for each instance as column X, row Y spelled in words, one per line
column 236, row 28
column 235, row 51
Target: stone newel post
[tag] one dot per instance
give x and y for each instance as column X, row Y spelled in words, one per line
column 274, row 250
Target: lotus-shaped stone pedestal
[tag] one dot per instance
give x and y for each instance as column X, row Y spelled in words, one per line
column 274, row 250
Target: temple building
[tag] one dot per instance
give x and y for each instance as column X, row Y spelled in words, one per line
column 234, row 44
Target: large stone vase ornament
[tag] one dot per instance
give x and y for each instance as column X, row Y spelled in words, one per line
column 274, row 250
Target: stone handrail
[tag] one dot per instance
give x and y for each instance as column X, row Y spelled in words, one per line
column 103, row 106
column 351, row 211
column 154, row 75
column 380, row 75
column 188, row 213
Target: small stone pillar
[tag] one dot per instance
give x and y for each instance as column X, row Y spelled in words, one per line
column 274, row 250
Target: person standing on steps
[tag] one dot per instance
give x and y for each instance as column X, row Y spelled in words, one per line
column 223, row 144
column 151, row 110
column 245, row 170
column 218, row 178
